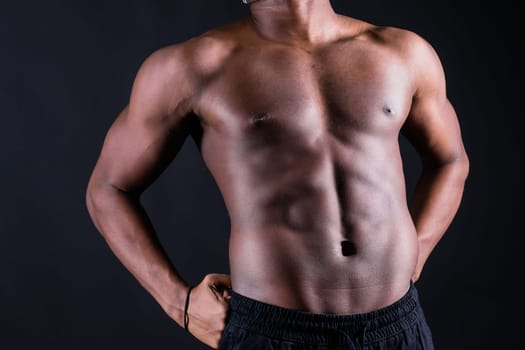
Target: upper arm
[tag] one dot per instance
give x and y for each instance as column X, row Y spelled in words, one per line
column 150, row 130
column 432, row 126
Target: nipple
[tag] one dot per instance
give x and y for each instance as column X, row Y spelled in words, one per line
column 348, row 248
column 387, row 110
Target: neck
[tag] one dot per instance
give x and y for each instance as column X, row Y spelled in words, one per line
column 303, row 21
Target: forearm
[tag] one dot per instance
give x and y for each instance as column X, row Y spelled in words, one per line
column 434, row 204
column 125, row 226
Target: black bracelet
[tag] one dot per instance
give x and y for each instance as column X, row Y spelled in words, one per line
column 186, row 318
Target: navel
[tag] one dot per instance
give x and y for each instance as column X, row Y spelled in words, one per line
column 348, row 248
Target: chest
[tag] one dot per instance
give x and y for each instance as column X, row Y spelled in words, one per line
column 342, row 90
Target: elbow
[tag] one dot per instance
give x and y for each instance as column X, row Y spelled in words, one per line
column 457, row 165
column 460, row 167
column 99, row 199
column 463, row 165
column 102, row 198
column 92, row 200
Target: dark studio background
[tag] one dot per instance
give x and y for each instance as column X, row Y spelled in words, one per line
column 66, row 69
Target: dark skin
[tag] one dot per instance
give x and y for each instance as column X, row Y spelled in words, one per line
column 297, row 112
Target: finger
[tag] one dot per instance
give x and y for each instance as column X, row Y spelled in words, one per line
column 221, row 281
column 226, row 295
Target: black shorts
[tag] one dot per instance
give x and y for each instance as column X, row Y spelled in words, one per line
column 253, row 325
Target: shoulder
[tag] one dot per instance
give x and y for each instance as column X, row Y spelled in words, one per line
column 171, row 77
column 406, row 43
column 195, row 58
column 176, row 73
column 411, row 47
column 412, row 51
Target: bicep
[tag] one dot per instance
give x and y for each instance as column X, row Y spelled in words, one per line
column 432, row 125
column 136, row 151
column 150, row 130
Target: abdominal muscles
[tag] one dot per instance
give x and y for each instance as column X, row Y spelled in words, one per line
column 321, row 230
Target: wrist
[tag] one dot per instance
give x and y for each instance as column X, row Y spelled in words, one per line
column 186, row 307
column 174, row 300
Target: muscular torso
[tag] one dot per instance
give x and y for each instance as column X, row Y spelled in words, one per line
column 303, row 145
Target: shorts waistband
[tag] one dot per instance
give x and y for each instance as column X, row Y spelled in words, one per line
column 297, row 325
